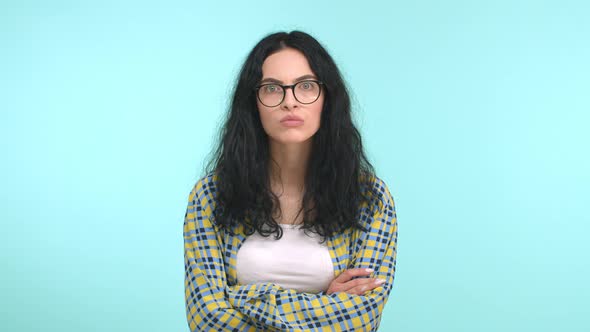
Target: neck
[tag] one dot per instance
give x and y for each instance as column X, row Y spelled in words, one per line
column 288, row 167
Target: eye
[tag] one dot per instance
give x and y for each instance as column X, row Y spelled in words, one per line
column 271, row 88
column 306, row 85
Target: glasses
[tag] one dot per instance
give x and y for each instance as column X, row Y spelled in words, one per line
column 273, row 94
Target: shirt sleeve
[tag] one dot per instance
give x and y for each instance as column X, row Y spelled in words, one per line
column 207, row 308
column 286, row 309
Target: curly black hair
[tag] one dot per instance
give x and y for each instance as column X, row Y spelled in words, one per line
column 339, row 179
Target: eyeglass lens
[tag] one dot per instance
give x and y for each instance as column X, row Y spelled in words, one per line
column 306, row 92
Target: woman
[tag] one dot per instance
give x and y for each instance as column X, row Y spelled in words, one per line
column 290, row 163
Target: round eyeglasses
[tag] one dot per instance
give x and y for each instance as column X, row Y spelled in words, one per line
column 273, row 94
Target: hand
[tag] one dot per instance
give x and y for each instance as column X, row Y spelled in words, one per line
column 342, row 283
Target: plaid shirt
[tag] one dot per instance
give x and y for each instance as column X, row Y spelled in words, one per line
column 216, row 302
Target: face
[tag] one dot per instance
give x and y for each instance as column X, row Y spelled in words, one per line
column 289, row 66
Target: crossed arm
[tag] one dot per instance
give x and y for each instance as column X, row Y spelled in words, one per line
column 211, row 304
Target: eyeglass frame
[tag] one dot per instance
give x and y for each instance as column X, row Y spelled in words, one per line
column 292, row 87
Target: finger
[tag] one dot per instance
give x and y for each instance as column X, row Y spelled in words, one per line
column 358, row 282
column 348, row 274
column 362, row 289
column 358, row 286
column 359, row 290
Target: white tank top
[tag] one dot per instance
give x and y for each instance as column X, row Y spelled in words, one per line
column 296, row 261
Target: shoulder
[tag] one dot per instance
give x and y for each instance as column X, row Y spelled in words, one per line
column 377, row 192
column 200, row 214
column 204, row 190
column 378, row 214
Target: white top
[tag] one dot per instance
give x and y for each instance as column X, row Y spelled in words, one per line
column 295, row 261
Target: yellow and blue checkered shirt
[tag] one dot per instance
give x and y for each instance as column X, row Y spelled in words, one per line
column 216, row 302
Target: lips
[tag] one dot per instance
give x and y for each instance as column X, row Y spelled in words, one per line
column 291, row 118
column 291, row 121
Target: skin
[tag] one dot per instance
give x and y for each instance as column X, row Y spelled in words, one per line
column 290, row 148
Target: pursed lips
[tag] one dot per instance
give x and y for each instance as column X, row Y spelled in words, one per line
column 291, row 118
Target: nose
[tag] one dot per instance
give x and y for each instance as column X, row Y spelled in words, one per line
column 289, row 101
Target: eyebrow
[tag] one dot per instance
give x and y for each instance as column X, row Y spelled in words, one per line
column 274, row 80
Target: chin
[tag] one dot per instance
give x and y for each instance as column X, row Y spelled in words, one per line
column 291, row 139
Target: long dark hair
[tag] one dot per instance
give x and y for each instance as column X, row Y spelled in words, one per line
column 339, row 175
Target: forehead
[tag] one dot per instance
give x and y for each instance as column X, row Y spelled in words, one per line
column 286, row 65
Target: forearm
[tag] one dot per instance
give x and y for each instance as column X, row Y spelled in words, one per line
column 218, row 316
column 286, row 309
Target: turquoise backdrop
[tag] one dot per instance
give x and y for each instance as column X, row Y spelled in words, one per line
column 475, row 113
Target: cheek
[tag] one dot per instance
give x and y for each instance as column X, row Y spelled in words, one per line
column 319, row 109
column 265, row 119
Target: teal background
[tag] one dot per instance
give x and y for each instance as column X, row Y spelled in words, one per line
column 475, row 113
